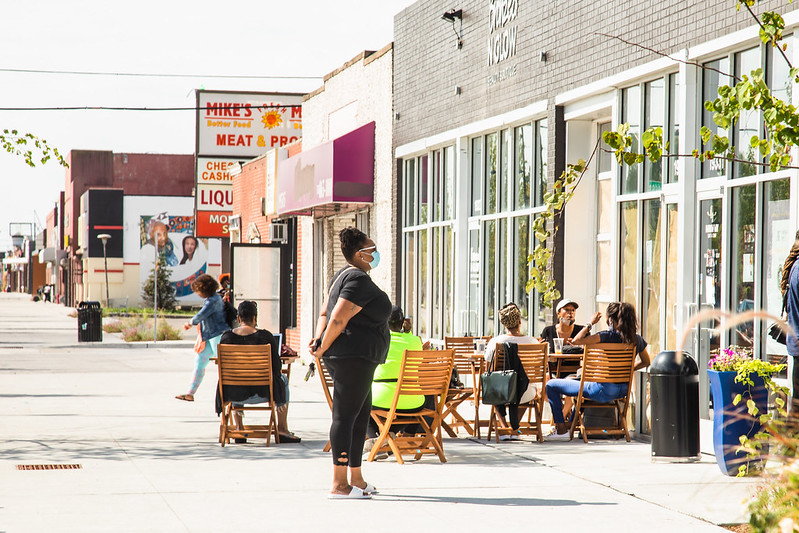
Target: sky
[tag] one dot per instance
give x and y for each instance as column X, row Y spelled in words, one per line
column 306, row 38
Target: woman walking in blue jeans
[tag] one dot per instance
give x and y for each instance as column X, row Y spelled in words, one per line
column 622, row 328
column 212, row 325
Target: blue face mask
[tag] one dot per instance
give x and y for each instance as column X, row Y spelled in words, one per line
column 375, row 260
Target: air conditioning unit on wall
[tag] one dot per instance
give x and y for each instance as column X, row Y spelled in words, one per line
column 278, row 232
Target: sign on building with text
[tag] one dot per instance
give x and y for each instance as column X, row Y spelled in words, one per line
column 233, row 128
column 213, row 195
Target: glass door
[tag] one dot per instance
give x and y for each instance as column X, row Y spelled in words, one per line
column 709, row 271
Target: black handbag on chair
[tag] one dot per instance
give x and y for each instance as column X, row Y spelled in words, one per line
column 499, row 387
column 774, row 330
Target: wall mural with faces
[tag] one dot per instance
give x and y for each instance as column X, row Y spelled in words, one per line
column 185, row 254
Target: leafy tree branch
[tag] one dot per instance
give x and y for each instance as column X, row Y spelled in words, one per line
column 30, row 147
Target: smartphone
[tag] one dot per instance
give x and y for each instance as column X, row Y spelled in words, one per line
column 317, row 344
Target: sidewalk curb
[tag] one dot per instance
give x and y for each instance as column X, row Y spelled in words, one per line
column 125, row 345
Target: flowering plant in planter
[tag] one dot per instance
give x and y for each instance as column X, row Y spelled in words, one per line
column 740, row 359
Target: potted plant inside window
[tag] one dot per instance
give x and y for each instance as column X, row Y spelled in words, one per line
column 739, row 387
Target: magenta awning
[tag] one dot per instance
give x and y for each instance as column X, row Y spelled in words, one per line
column 338, row 172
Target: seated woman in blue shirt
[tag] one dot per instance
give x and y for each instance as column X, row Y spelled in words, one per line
column 622, row 328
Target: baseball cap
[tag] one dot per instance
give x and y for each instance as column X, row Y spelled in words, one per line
column 564, row 302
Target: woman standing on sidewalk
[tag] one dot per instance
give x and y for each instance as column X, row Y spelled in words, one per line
column 212, row 324
column 352, row 335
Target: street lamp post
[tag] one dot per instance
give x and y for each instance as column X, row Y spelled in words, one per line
column 104, row 237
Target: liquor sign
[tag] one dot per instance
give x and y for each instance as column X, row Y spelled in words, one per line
column 213, row 196
column 233, row 128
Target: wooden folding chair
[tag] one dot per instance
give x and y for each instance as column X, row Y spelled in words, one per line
column 423, row 372
column 534, row 360
column 605, row 363
column 327, row 388
column 461, row 346
column 248, row 366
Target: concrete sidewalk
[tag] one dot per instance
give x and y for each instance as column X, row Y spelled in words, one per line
column 152, row 463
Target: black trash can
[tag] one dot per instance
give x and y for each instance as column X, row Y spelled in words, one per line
column 90, row 322
column 674, row 392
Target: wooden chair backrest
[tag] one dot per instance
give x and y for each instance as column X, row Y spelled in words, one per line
column 326, row 379
column 460, row 347
column 608, row 363
column 535, row 360
column 245, row 364
column 425, row 372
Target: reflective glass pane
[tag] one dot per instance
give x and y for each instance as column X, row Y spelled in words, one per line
column 506, row 142
column 631, row 114
column 748, row 124
column 491, row 172
column 477, row 177
column 410, row 192
column 410, row 275
column 629, row 252
column 502, row 262
column 779, row 78
column 712, row 79
column 672, row 249
column 777, row 234
column 448, row 281
column 472, row 314
column 521, row 249
column 541, row 163
column 650, row 314
column 605, row 206
column 438, row 190
column 524, row 165
column 709, row 290
column 423, row 190
column 743, row 260
column 605, row 158
column 449, row 183
column 421, row 320
column 654, row 115
column 436, row 278
column 674, row 128
column 489, row 299
column 604, row 269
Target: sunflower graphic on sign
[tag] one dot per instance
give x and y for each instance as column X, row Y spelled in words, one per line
column 272, row 119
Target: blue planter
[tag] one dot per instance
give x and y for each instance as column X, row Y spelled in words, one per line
column 731, row 421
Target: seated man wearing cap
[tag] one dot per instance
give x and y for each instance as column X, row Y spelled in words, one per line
column 565, row 328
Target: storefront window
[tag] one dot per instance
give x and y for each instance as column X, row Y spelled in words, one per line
column 777, row 237
column 410, row 274
column 473, row 308
column 712, row 79
column 423, row 277
column 629, row 252
column 748, row 124
column 491, row 173
column 604, row 269
column 651, row 275
column 423, row 190
column 477, row 176
column 449, row 183
column 521, row 249
column 743, row 260
column 448, row 279
column 541, row 161
column 438, row 188
column 437, row 285
column 654, row 102
column 604, row 157
column 673, row 130
column 672, row 249
column 631, row 114
column 506, row 141
column 489, row 277
column 502, row 262
column 779, row 79
column 410, row 192
column 524, row 165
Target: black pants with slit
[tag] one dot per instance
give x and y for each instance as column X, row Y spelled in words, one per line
column 352, row 406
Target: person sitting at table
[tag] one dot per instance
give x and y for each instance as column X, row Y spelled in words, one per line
column 622, row 328
column 384, row 383
column 248, row 334
column 565, row 328
column 511, row 318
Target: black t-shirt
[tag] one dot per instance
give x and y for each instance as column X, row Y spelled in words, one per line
column 549, row 333
column 366, row 335
column 242, row 392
